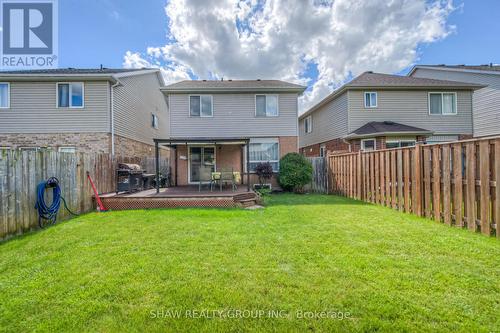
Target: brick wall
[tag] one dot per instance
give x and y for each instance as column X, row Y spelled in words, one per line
column 128, row 147
column 84, row 142
column 332, row 146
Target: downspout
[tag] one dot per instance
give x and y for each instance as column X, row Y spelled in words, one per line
column 112, row 104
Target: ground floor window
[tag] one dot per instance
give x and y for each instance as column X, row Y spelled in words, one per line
column 322, row 150
column 368, row 144
column 399, row 143
column 264, row 150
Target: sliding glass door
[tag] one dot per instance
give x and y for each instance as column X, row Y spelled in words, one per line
column 200, row 157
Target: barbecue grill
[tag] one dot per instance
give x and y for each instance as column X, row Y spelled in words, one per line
column 129, row 178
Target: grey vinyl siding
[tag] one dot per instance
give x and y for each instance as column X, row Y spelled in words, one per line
column 410, row 107
column 135, row 101
column 328, row 122
column 33, row 109
column 233, row 116
column 486, row 101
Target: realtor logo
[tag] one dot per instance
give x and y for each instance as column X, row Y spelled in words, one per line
column 29, row 34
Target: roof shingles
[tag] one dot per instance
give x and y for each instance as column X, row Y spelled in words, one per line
column 231, row 85
column 376, row 128
column 76, row 71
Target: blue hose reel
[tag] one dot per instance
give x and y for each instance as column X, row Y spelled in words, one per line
column 47, row 215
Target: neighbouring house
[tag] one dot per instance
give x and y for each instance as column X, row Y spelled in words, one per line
column 117, row 111
column 230, row 125
column 377, row 111
column 486, row 101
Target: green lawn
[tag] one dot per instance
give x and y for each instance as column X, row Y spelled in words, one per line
column 301, row 256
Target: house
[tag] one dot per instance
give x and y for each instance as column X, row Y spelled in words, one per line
column 230, row 125
column 117, row 111
column 377, row 111
column 486, row 101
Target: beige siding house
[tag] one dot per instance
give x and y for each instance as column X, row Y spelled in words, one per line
column 377, row 111
column 486, row 101
column 116, row 111
column 230, row 125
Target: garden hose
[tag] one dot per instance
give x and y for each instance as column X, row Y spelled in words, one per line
column 47, row 215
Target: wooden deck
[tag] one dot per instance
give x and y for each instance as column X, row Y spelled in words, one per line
column 180, row 196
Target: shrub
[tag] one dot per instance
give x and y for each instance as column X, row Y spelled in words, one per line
column 295, row 172
column 264, row 171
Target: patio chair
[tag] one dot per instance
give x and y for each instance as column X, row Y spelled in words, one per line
column 205, row 177
column 227, row 177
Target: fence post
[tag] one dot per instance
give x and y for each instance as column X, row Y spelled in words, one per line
column 359, row 178
column 417, row 165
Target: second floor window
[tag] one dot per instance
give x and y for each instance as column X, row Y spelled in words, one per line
column 200, row 106
column 266, row 105
column 308, row 124
column 370, row 99
column 4, row 95
column 70, row 95
column 154, row 121
column 442, row 103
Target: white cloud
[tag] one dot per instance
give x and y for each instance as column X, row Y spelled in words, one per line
column 251, row 39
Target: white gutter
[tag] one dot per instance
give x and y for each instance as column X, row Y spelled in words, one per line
column 112, row 104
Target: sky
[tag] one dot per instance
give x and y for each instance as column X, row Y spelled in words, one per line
column 318, row 43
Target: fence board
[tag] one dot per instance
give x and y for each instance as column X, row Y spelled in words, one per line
column 471, row 185
column 406, row 180
column 484, row 176
column 393, row 179
column 436, row 183
column 446, row 157
column 417, row 181
column 427, row 181
column 457, row 185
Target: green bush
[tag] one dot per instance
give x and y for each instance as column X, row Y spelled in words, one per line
column 295, row 172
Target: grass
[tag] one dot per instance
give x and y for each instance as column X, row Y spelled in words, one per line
column 319, row 255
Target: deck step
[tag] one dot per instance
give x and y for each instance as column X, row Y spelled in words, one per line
column 246, row 199
column 244, row 196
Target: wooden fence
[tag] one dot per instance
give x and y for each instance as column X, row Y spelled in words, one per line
column 455, row 183
column 20, row 172
column 319, row 182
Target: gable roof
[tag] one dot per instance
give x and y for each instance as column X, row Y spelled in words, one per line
column 233, row 86
column 376, row 128
column 487, row 69
column 370, row 80
column 110, row 74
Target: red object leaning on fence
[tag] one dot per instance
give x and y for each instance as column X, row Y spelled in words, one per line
column 100, row 206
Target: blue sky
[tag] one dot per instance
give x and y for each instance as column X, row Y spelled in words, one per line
column 95, row 32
